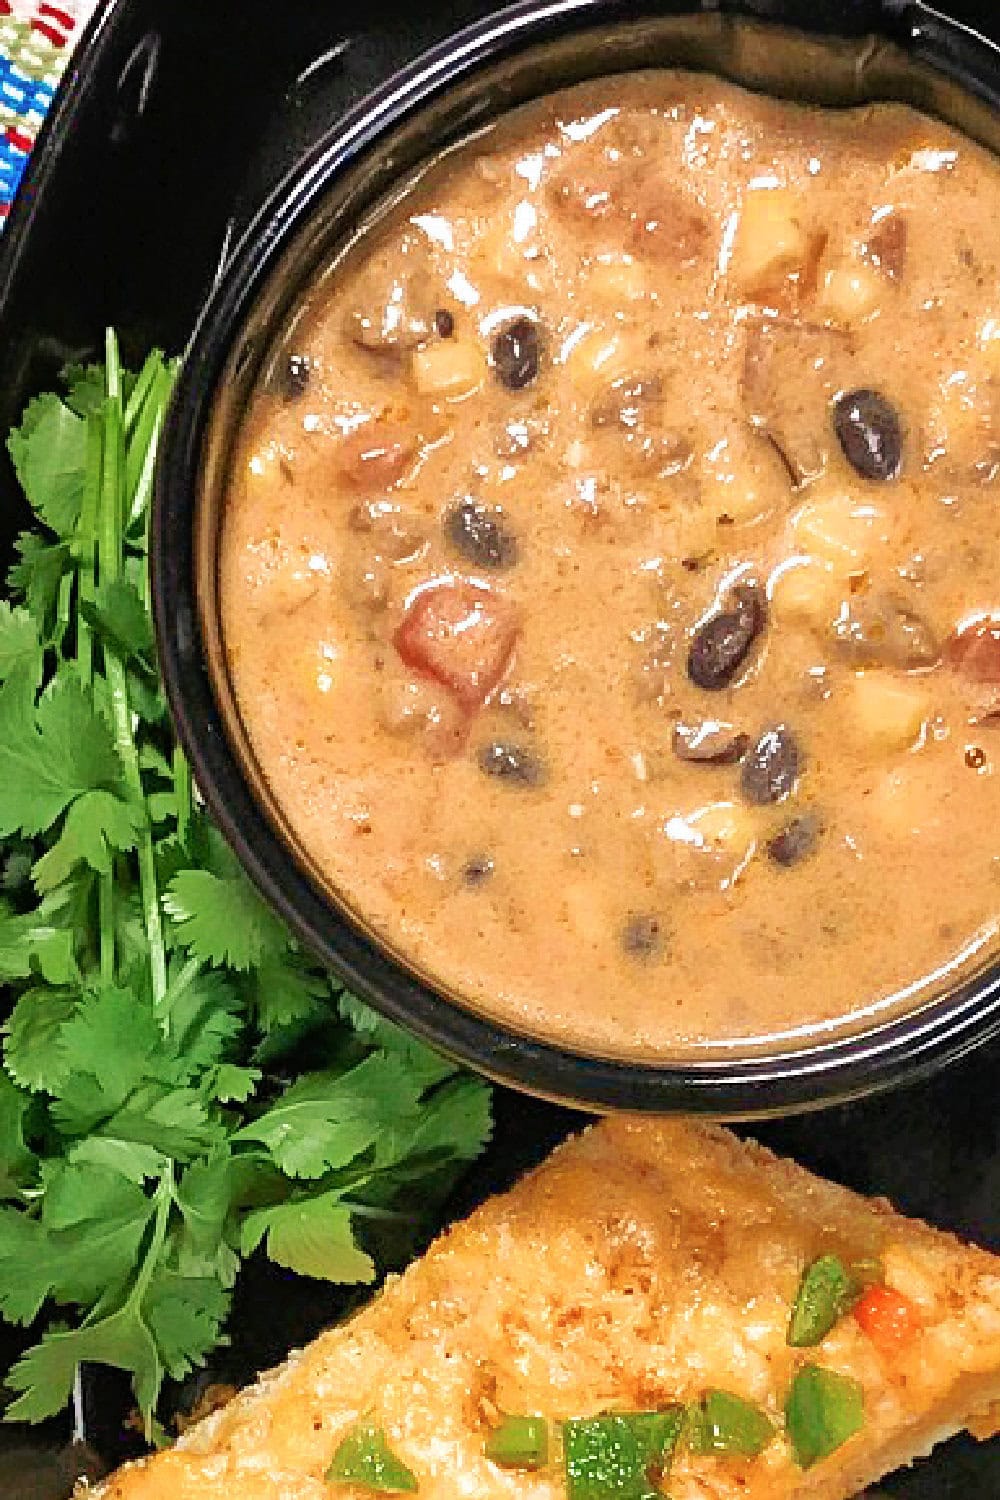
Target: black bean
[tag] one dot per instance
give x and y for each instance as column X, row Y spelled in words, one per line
column 642, row 936
column 772, row 767
column 293, row 378
column 509, row 761
column 444, row 323
column 710, row 743
column 869, row 431
column 516, row 353
column 480, row 533
column 796, row 841
column 477, row 871
column 720, row 646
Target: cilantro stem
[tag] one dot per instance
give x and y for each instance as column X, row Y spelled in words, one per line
column 184, row 979
column 163, row 1197
column 106, row 926
column 86, row 595
column 382, row 1215
column 110, row 555
column 182, row 792
column 64, row 606
column 143, row 385
column 144, row 438
column 87, row 545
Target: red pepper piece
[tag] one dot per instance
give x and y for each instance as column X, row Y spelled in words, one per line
column 376, row 455
column 888, row 1318
column 460, row 634
column 974, row 650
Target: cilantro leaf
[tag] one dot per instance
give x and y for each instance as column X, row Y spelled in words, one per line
column 453, row 1124
column 18, row 1165
column 154, row 992
column 325, row 1120
column 49, row 455
column 45, row 1375
column 20, row 644
column 52, row 755
column 117, row 1043
column 184, row 1314
column 88, row 1239
column 205, row 1020
column 130, row 1159
column 311, row 1235
column 97, row 824
column 284, row 992
column 44, row 940
column 174, row 1120
column 208, row 1196
column 32, row 1053
column 422, row 1063
column 222, row 920
column 85, row 389
column 231, row 1083
column 119, row 614
column 37, row 577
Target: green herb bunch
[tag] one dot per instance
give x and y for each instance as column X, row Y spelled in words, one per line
column 156, row 1120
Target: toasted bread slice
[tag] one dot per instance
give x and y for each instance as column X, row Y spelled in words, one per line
column 643, row 1264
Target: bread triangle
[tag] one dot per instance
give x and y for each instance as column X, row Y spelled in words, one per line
column 642, row 1264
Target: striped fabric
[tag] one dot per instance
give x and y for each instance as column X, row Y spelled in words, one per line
column 36, row 41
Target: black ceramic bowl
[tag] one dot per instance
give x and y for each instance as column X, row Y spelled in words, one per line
column 830, row 54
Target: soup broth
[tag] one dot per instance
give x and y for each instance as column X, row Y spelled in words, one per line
column 609, row 569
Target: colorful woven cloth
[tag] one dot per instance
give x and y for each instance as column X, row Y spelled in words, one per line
column 36, row 42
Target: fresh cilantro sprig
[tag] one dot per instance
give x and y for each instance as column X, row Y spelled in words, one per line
column 156, row 1122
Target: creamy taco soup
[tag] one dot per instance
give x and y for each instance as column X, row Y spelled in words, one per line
column 610, row 578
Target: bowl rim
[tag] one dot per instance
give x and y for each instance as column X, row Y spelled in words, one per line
column 726, row 1086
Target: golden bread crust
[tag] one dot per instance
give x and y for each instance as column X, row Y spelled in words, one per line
column 642, row 1263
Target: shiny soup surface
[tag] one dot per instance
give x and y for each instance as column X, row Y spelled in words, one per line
column 609, row 574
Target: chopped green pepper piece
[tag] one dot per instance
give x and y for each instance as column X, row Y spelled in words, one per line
column 822, row 1411
column 826, row 1292
column 519, row 1443
column 619, row 1456
column 364, row 1457
column 724, row 1423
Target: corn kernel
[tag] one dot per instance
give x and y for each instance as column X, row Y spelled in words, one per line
column 849, row 292
column 450, row 369
column 804, row 591
column 586, row 353
column 885, row 713
column 716, row 828
column 771, row 239
column 745, row 479
column 498, row 252
column 841, row 531
column 615, row 279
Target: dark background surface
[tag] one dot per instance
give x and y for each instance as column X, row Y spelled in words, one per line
column 182, row 120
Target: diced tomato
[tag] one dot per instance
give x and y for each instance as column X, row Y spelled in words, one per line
column 376, row 454
column 460, row 634
column 974, row 650
column 888, row 1318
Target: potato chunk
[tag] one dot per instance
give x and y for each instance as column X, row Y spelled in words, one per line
column 451, row 369
column 884, row 713
column 841, row 530
column 772, row 239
